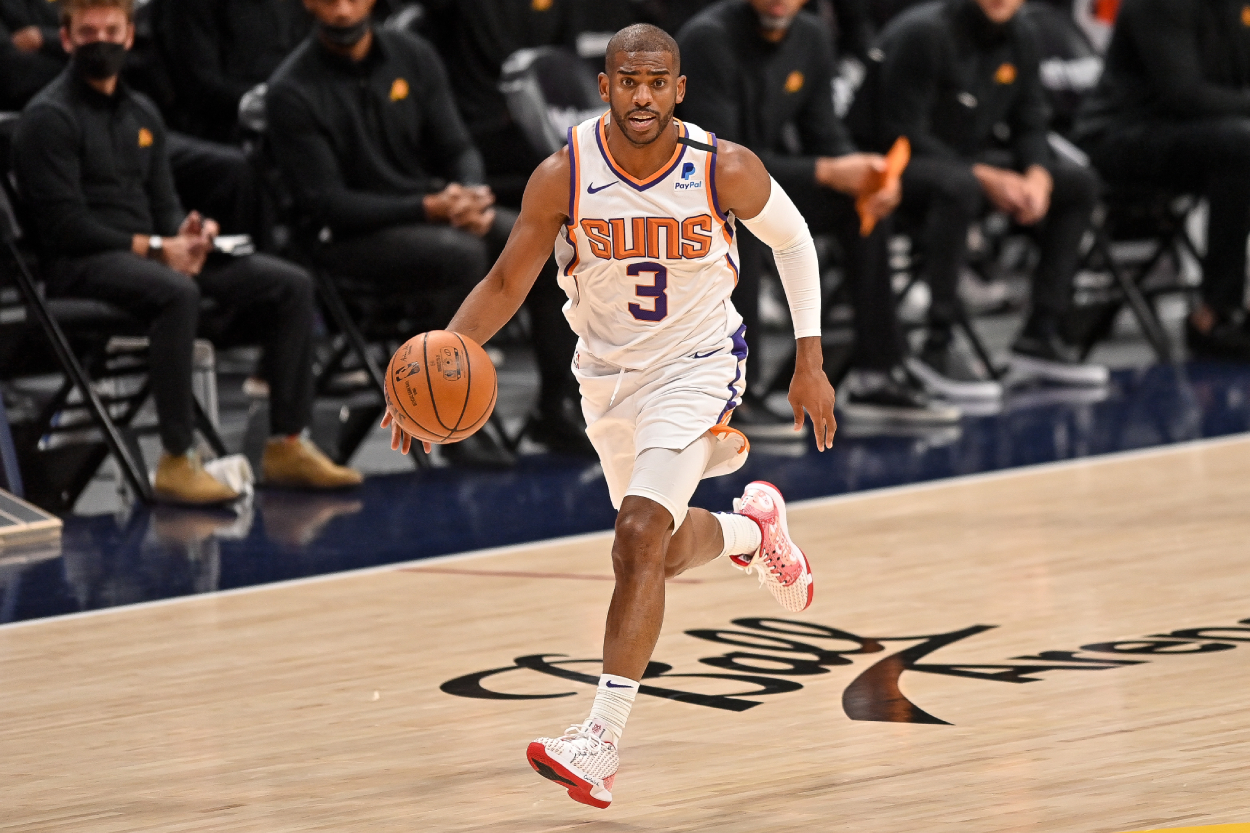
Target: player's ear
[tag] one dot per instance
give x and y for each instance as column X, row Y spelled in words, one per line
column 603, row 88
column 681, row 88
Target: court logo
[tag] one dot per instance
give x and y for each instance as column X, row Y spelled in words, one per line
column 770, row 656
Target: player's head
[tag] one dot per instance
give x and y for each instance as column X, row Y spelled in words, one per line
column 98, row 33
column 642, row 82
column 341, row 23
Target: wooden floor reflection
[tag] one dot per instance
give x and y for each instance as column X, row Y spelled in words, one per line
column 1057, row 649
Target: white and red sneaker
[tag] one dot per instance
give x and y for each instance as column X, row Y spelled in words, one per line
column 580, row 761
column 781, row 565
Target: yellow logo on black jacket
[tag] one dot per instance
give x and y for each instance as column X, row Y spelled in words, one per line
column 794, row 82
column 399, row 90
column 1005, row 74
column 146, row 139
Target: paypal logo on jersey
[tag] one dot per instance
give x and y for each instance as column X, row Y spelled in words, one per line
column 687, row 171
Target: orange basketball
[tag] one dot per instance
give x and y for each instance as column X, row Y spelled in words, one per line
column 441, row 387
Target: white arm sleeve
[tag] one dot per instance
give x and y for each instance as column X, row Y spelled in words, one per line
column 782, row 228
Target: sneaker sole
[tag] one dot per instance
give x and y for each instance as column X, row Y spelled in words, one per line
column 950, row 388
column 1090, row 375
column 579, row 789
column 858, row 411
column 780, row 503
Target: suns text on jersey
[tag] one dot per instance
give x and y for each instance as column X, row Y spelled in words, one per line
column 650, row 237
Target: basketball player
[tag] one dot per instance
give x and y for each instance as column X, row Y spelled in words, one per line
column 642, row 210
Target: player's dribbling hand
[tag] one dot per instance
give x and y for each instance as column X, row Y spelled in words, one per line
column 810, row 391
column 401, row 440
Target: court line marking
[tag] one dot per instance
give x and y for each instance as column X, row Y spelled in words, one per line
column 522, row 574
column 867, row 494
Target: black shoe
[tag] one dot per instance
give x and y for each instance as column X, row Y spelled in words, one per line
column 947, row 373
column 758, row 422
column 1228, row 340
column 561, row 430
column 893, row 397
column 480, row 450
column 1046, row 358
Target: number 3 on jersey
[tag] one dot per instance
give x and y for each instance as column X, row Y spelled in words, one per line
column 656, row 291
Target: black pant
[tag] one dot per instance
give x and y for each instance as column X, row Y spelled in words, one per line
column 1210, row 157
column 264, row 300
column 878, row 345
column 441, row 265
column 947, row 198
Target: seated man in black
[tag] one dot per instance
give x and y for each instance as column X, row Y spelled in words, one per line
column 960, row 79
column 217, row 50
column 90, row 159
column 1172, row 111
column 476, row 37
column 364, row 126
column 760, row 73
column 30, row 50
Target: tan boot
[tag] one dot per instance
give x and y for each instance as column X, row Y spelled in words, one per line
column 299, row 464
column 182, row 479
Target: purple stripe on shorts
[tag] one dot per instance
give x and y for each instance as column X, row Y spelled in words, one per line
column 740, row 352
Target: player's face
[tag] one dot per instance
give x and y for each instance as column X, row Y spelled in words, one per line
column 642, row 91
column 1000, row 11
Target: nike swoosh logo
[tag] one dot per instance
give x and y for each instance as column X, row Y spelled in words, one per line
column 591, row 189
column 611, row 684
column 705, row 355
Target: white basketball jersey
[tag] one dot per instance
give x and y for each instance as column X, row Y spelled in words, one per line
column 648, row 265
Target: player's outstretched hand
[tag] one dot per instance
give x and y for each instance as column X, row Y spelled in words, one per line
column 401, row 440
column 810, row 391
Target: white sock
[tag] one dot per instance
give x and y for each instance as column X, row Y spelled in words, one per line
column 613, row 700
column 742, row 535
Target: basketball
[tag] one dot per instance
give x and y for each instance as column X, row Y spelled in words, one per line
column 441, row 387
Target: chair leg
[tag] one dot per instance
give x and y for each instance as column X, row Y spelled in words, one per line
column 132, row 468
column 1142, row 311
column 343, row 319
column 208, row 430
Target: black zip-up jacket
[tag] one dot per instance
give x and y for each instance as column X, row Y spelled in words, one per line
column 94, row 168
column 22, row 74
column 776, row 99
column 1169, row 61
column 18, row 14
column 957, row 85
column 220, row 49
column 475, row 37
column 361, row 144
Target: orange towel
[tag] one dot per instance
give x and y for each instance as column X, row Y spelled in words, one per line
column 895, row 163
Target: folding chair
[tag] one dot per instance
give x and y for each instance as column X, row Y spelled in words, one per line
column 63, row 437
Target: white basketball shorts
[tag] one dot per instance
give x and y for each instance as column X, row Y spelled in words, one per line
column 666, row 406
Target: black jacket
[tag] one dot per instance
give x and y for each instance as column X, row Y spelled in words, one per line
column 1172, row 60
column 776, row 99
column 475, row 37
column 219, row 49
column 958, row 85
column 94, row 168
column 361, row 144
column 22, row 74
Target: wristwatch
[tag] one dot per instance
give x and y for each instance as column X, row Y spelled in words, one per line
column 155, row 245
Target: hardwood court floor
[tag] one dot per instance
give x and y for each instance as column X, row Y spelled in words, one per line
column 317, row 705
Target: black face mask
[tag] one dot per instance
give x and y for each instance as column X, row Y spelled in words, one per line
column 344, row 36
column 99, row 60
